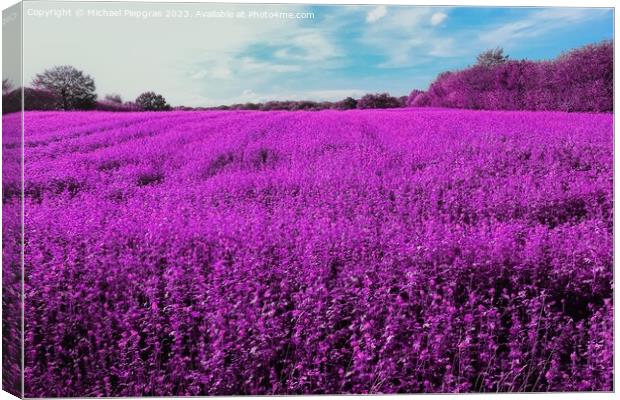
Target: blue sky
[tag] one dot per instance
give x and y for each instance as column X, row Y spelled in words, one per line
column 342, row 51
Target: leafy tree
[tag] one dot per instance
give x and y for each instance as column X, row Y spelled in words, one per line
column 347, row 104
column 75, row 89
column 492, row 57
column 305, row 105
column 414, row 93
column 378, row 100
column 421, row 100
column 151, row 101
column 250, row 106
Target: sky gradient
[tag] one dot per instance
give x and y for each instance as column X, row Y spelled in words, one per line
column 198, row 59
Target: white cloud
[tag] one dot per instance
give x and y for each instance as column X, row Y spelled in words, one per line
column 248, row 96
column 438, row 18
column 407, row 38
column 335, row 94
column 307, row 45
column 238, row 75
column 376, row 14
column 220, row 70
column 249, row 64
column 199, row 75
column 537, row 24
column 443, row 47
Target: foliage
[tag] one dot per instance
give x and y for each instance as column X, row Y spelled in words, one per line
column 492, row 57
column 421, row 100
column 412, row 96
column 75, row 89
column 580, row 80
column 378, row 100
column 151, row 101
column 245, row 106
column 34, row 99
column 114, row 106
column 347, row 104
column 220, row 253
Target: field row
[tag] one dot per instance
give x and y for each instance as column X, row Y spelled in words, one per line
column 329, row 252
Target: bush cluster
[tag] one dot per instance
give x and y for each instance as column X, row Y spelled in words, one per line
column 579, row 80
column 378, row 100
column 34, row 99
column 114, row 106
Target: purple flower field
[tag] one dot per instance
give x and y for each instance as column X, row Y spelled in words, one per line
column 375, row 251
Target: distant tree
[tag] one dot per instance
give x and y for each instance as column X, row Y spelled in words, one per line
column 324, row 105
column 378, row 100
column 116, row 107
column 305, row 105
column 151, row 101
column 75, row 89
column 492, row 57
column 347, row 104
column 250, row 106
column 114, row 98
column 420, row 100
column 6, row 86
column 414, row 93
column 277, row 105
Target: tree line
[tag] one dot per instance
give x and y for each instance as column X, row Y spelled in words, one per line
column 368, row 101
column 66, row 88
column 579, row 80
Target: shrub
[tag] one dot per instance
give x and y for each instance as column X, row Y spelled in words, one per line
column 291, row 105
column 11, row 102
column 378, row 100
column 251, row 106
column 324, row 105
column 116, row 107
column 420, row 100
column 151, row 101
column 414, row 93
column 347, row 104
column 34, row 99
column 305, row 105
